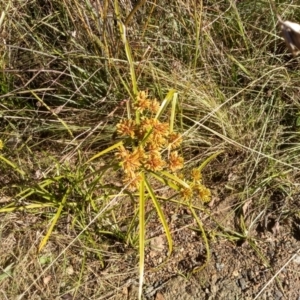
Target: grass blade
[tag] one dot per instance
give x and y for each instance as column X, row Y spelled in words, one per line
column 122, row 29
column 203, row 234
column 165, row 103
column 209, row 159
column 173, row 111
column 54, row 221
column 142, row 222
column 12, row 165
column 105, row 151
column 50, row 110
column 161, row 216
column 175, row 178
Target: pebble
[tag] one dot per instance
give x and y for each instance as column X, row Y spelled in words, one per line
column 242, row 283
column 297, row 259
column 250, row 275
column 219, row 267
column 278, row 295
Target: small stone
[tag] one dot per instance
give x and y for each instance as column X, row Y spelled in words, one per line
column 125, row 291
column 278, row 295
column 250, row 275
column 242, row 283
column 47, row 279
column 214, row 279
column 297, row 259
column 70, row 270
column 157, row 243
column 213, row 289
column 152, row 254
column 219, row 267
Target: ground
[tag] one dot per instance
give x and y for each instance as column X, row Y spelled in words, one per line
column 261, row 265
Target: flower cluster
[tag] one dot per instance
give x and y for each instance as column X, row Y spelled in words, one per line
column 149, row 137
column 197, row 189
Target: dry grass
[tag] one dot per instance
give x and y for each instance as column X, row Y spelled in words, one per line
column 63, row 83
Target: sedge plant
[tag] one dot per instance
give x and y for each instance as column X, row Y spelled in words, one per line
column 149, row 151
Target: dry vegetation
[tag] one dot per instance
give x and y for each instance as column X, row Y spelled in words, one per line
column 69, row 225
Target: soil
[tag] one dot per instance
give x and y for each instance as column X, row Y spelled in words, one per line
column 254, row 254
column 262, row 264
column 236, row 273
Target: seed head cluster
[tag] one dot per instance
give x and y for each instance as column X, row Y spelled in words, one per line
column 196, row 190
column 148, row 138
